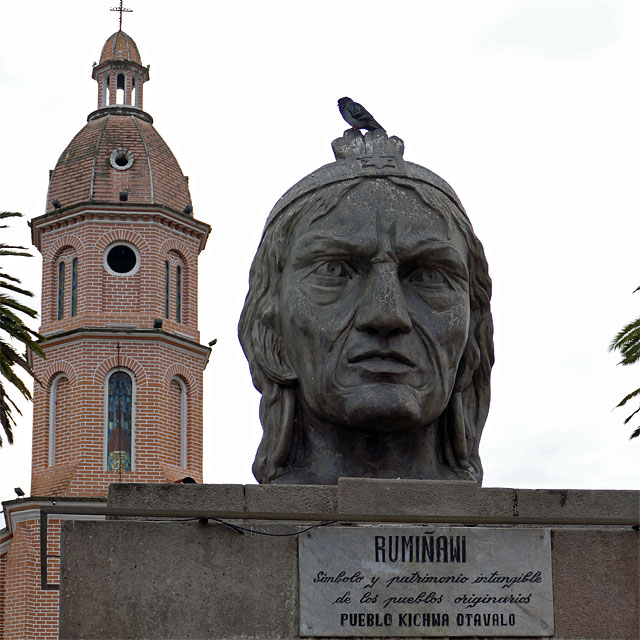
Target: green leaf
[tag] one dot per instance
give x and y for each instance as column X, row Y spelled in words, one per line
column 628, row 397
column 12, row 325
column 631, row 416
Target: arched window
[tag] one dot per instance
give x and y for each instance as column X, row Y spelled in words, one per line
column 57, row 384
column 74, row 286
column 166, row 288
column 120, row 88
column 178, row 293
column 134, row 91
column 60, row 313
column 180, row 393
column 174, row 292
column 119, row 419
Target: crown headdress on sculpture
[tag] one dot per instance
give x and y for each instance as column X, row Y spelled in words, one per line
column 372, row 155
column 373, row 152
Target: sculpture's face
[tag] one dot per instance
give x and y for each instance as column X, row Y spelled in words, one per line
column 374, row 307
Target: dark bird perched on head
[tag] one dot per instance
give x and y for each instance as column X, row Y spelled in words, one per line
column 356, row 115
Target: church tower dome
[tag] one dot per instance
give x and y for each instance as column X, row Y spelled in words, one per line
column 118, row 154
column 121, row 394
column 120, row 46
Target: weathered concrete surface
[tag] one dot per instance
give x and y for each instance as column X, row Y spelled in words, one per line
column 178, row 580
column 227, row 497
column 596, row 580
column 399, row 500
column 461, row 499
column 150, row 579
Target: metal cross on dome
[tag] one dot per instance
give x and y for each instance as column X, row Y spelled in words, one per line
column 122, row 10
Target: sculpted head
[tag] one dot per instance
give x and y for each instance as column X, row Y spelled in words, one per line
column 367, row 325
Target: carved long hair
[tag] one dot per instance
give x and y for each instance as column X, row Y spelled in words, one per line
column 459, row 427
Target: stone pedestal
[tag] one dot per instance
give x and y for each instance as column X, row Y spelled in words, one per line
column 151, row 576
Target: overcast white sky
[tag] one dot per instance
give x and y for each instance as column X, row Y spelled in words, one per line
column 529, row 108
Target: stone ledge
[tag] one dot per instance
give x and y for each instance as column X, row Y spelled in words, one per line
column 223, row 497
column 321, row 499
column 390, row 500
column 466, row 499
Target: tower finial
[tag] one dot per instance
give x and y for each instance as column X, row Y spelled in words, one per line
column 122, row 10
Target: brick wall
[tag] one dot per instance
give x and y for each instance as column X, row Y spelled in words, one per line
column 30, row 613
column 80, row 415
column 79, row 363
column 105, row 299
column 3, row 582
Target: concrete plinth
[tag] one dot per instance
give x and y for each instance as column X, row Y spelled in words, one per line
column 140, row 577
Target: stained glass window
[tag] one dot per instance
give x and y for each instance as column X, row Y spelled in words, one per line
column 119, row 421
column 74, row 286
column 178, row 293
column 60, row 290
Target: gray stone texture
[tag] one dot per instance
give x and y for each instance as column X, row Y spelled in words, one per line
column 150, row 579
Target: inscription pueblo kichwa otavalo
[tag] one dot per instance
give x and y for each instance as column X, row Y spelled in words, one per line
column 392, row 581
column 367, row 325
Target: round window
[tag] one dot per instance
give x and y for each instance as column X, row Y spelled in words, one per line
column 121, row 159
column 121, row 258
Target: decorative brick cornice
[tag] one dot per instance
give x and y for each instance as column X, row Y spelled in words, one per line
column 86, row 212
column 127, row 334
column 120, row 110
column 120, row 65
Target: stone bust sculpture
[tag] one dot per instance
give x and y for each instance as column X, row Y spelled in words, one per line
column 367, row 325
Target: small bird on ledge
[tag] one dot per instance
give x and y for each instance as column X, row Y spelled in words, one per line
column 357, row 116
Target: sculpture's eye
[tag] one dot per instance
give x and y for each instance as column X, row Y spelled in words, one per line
column 333, row 269
column 427, row 276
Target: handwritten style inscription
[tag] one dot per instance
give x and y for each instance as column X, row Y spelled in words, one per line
column 430, row 582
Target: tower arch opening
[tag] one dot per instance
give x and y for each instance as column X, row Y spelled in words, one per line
column 120, row 88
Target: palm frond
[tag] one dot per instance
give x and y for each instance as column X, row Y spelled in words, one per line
column 628, row 397
column 9, row 214
column 12, row 287
column 10, row 303
column 631, row 416
column 12, row 325
column 627, row 341
column 11, row 248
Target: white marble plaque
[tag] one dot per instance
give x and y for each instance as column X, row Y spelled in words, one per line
column 373, row 581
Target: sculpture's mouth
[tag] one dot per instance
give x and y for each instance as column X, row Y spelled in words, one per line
column 381, row 361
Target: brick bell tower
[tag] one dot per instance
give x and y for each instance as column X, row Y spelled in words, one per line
column 121, row 394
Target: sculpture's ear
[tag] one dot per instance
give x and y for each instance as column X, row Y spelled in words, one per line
column 269, row 350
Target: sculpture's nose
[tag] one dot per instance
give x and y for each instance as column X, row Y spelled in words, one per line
column 382, row 308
